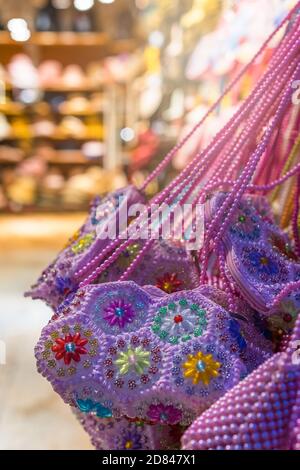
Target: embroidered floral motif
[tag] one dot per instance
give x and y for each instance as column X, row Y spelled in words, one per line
column 88, row 406
column 179, row 321
column 131, row 364
column 73, row 239
column 169, row 283
column 245, row 225
column 164, row 414
column 201, row 367
column 83, row 243
column 263, row 263
column 118, row 313
column 69, row 348
column 136, row 359
column 284, row 321
column 131, row 441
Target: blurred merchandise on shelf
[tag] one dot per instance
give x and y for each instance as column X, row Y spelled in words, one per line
column 92, row 95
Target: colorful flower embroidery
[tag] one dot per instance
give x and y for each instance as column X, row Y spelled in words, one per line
column 69, row 348
column 179, row 321
column 201, row 367
column 118, row 313
column 88, row 406
column 169, row 283
column 263, row 263
column 136, row 359
column 131, row 364
column 131, row 441
column 120, row 309
column 164, row 414
column 83, row 243
column 245, row 225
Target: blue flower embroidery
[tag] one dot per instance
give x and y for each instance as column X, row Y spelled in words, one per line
column 87, row 406
column 262, row 263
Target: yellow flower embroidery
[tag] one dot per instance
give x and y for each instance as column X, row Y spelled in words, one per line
column 83, row 243
column 201, row 367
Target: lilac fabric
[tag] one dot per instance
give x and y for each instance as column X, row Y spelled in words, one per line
column 168, row 360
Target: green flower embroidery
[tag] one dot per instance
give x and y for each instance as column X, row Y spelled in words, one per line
column 179, row 321
column 134, row 359
column 83, row 243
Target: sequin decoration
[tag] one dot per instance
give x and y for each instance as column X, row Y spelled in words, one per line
column 130, row 364
column 264, row 265
column 83, row 243
column 169, row 283
column 123, row 309
column 179, row 320
column 201, row 371
column 136, row 359
column 201, row 367
column 164, row 414
column 89, row 406
column 245, row 224
column 70, row 348
column 118, row 313
column 67, row 352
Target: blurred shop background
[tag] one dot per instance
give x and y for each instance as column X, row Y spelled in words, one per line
column 93, row 93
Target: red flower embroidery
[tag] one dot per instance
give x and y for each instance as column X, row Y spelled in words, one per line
column 70, row 347
column 169, row 283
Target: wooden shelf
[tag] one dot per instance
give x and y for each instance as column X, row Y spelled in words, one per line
column 62, row 157
column 18, row 109
column 52, row 137
column 39, row 209
column 71, row 39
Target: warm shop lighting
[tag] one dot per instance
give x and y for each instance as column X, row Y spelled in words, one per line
column 21, row 35
column 16, row 24
column 61, row 4
column 127, row 134
column 18, row 29
column 156, row 39
column 83, row 5
column 107, row 2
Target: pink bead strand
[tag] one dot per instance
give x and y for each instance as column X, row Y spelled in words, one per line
column 136, row 260
column 295, row 218
column 177, row 147
column 102, row 254
column 216, row 227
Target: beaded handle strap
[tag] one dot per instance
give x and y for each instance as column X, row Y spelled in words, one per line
column 169, row 193
column 179, row 183
column 164, row 163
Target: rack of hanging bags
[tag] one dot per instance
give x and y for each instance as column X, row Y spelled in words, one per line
column 153, row 335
